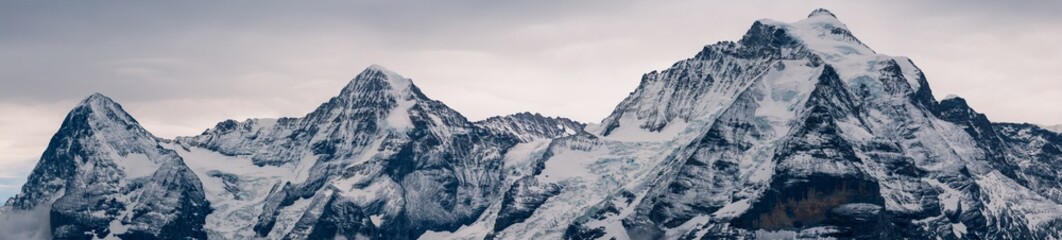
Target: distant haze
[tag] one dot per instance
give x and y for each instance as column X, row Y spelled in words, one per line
column 181, row 67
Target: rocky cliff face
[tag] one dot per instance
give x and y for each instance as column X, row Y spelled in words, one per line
column 797, row 130
column 105, row 176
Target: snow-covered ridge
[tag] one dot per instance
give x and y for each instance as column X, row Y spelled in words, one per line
column 529, row 127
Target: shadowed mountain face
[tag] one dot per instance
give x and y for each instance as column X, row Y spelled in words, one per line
column 797, row 130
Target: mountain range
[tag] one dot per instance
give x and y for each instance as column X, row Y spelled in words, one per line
column 797, row 130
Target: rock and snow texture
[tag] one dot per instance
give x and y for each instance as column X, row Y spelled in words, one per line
column 864, row 152
column 529, row 127
column 797, row 130
column 380, row 160
column 103, row 176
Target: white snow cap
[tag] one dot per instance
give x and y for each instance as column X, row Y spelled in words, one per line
column 821, row 12
column 102, row 107
column 96, row 99
column 399, row 85
column 951, row 96
column 378, row 67
column 397, row 81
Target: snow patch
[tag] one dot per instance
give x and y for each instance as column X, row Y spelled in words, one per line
column 950, row 197
column 376, row 220
column 136, row 165
column 959, row 229
column 117, row 228
column 402, row 92
column 733, row 209
column 775, row 235
column 477, row 231
column 629, row 132
column 570, row 164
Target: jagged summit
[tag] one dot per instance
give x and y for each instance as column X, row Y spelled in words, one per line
column 101, row 113
column 99, row 101
column 96, row 97
column 953, row 100
column 526, row 115
column 377, row 78
column 527, row 126
column 376, row 93
column 821, row 12
column 692, row 88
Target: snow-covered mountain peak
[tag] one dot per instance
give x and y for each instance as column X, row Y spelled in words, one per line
column 821, row 12
column 96, row 97
column 698, row 88
column 396, row 80
column 106, row 119
column 377, row 79
column 376, row 92
column 105, row 176
column 831, row 40
column 823, row 32
column 100, row 107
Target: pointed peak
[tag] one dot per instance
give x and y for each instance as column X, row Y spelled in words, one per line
column 97, row 95
column 954, row 100
column 380, row 72
column 821, row 12
column 378, row 69
column 955, row 109
column 100, row 108
column 96, row 98
column 98, row 102
column 376, row 78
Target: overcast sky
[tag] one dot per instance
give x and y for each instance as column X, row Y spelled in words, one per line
column 179, row 68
